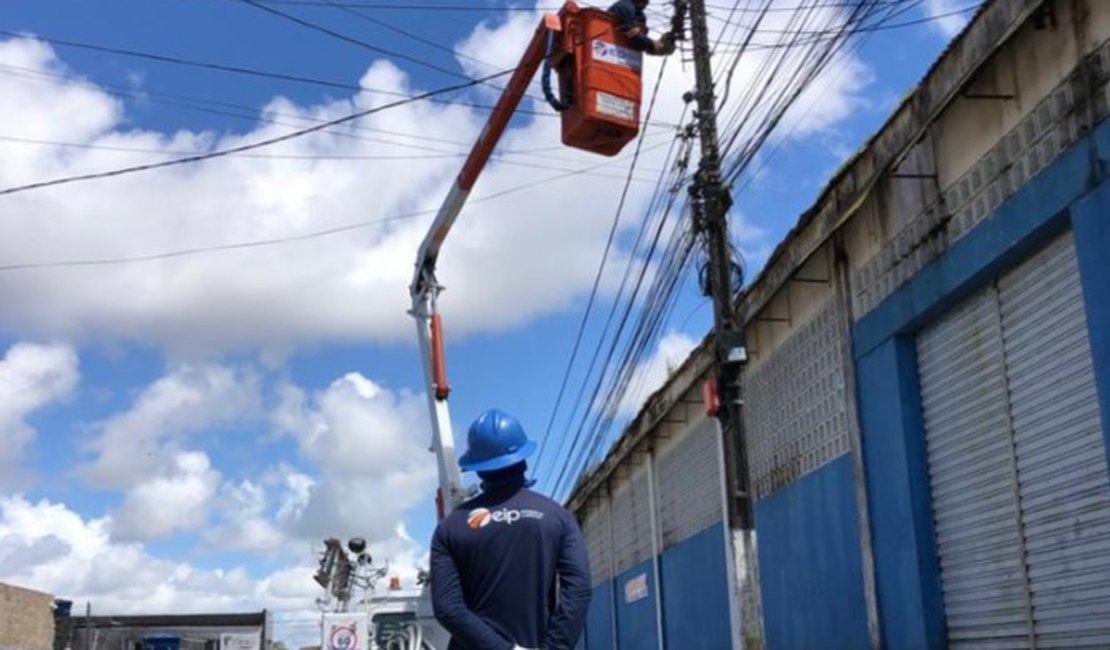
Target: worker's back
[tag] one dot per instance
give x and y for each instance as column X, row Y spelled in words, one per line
column 506, row 544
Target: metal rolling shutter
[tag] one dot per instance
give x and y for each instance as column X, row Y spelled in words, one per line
column 971, row 468
column 1061, row 455
column 1018, row 465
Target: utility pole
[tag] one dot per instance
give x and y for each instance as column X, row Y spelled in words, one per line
column 711, row 200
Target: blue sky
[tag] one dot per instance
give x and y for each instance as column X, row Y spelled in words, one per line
column 176, row 434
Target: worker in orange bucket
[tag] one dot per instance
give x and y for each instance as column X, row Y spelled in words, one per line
column 635, row 28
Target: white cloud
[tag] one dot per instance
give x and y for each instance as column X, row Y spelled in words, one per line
column 50, row 547
column 143, row 442
column 946, row 21
column 836, row 96
column 246, row 522
column 47, row 546
column 351, row 286
column 497, row 44
column 370, row 448
column 364, row 461
column 175, row 501
column 649, row 376
column 31, row 376
column 75, row 110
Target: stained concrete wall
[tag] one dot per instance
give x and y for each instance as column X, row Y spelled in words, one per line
column 26, row 619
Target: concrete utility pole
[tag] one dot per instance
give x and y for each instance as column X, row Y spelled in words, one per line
column 711, row 200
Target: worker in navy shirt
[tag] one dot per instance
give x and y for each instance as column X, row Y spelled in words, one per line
column 497, row 559
column 633, row 24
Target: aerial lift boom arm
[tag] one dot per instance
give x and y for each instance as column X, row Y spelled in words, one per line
column 425, row 289
column 600, row 84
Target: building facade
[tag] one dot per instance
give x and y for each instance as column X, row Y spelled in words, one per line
column 26, row 619
column 927, row 405
column 230, row 631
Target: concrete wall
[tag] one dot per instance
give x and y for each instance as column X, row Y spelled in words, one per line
column 660, row 550
column 1004, row 145
column 26, row 619
column 1006, row 161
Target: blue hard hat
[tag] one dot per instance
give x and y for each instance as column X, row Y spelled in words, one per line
column 495, row 441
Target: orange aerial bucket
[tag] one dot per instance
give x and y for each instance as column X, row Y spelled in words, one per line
column 599, row 81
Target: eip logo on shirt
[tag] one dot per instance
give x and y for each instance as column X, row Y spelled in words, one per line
column 482, row 517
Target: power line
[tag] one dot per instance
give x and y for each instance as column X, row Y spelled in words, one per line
column 646, row 316
column 240, row 70
column 879, row 27
column 352, row 40
column 275, row 241
column 249, row 113
column 266, row 74
column 404, row 32
column 483, row 7
column 662, row 302
column 247, row 147
column 308, row 157
column 369, row 46
column 600, row 269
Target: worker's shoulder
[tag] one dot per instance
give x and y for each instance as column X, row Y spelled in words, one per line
column 539, row 503
column 540, row 499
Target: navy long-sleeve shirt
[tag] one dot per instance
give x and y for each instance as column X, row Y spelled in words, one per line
column 495, row 565
column 630, row 17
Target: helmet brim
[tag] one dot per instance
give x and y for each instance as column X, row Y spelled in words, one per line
column 498, row 462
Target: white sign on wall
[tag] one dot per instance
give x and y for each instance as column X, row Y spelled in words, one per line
column 636, row 589
column 241, row 640
column 345, row 632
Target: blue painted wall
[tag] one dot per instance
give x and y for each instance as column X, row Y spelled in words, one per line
column 911, row 609
column 1066, row 194
column 599, row 618
column 810, row 563
column 696, row 592
column 1091, row 221
column 636, row 623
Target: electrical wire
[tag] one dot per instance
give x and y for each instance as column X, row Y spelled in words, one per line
column 370, row 46
column 275, row 241
column 246, row 147
column 645, row 330
column 600, row 271
column 775, row 90
column 485, row 7
column 363, row 16
column 307, row 24
column 279, row 76
column 307, row 157
column 248, row 113
column 831, row 34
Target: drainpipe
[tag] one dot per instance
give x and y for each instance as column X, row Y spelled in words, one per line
column 656, row 551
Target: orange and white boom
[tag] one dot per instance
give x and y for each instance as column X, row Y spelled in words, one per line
column 425, row 289
column 600, row 78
